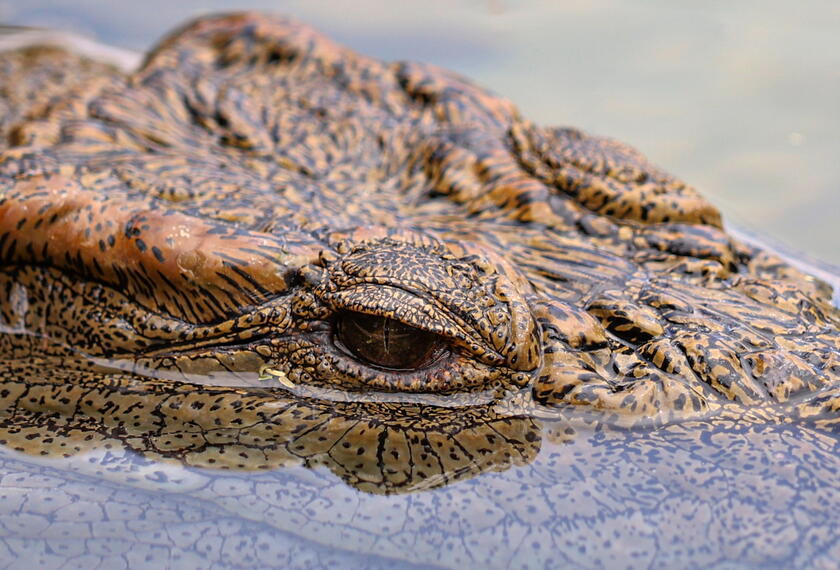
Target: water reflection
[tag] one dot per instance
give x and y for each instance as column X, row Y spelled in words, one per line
column 126, row 473
column 385, row 448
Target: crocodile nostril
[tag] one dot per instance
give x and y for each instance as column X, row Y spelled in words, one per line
column 387, row 343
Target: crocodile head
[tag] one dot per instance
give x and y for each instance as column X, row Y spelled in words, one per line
column 259, row 202
column 186, row 298
column 262, row 253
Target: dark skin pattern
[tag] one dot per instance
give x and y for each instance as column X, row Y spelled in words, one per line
column 226, row 213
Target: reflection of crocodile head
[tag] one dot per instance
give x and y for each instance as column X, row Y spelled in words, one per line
column 375, row 447
column 256, row 199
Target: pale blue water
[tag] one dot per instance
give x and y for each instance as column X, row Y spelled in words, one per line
column 693, row 497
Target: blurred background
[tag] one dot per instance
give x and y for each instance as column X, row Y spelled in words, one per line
column 740, row 99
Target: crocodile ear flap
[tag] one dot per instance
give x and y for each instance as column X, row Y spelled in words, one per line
column 608, row 177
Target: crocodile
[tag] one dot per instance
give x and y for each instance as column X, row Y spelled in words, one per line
column 262, row 250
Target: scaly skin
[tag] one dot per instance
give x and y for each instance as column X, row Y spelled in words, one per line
column 211, row 218
column 31, row 78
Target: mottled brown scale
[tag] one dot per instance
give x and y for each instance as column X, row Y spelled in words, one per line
column 241, row 203
column 38, row 77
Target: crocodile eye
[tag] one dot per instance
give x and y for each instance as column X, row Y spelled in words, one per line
column 387, row 343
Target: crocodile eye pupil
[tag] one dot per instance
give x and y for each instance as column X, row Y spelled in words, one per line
column 387, row 343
